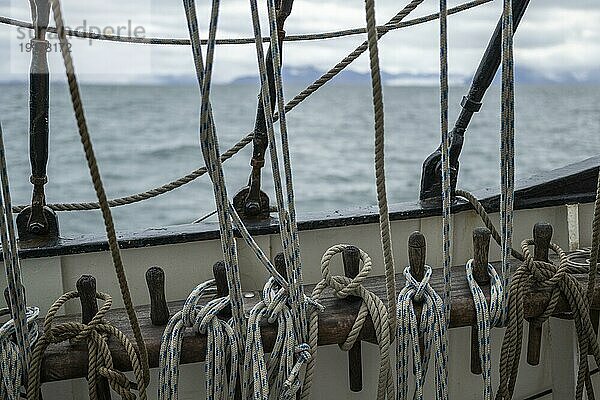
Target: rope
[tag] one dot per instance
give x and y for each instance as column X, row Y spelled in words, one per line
column 433, row 331
column 559, row 283
column 237, row 41
column 507, row 142
column 446, row 190
column 246, row 139
column 378, row 111
column 99, row 189
column 100, row 364
column 488, row 316
column 279, row 378
column 11, row 371
column 12, row 267
column 593, row 262
column 221, row 347
column 371, row 306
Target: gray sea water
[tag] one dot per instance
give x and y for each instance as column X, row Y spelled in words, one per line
column 145, row 136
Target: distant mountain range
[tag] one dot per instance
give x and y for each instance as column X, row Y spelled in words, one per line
column 305, row 75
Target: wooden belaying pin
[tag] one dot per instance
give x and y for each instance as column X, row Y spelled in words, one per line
column 481, row 249
column 351, row 261
column 86, row 287
column 542, row 235
column 417, row 252
column 159, row 309
column 279, row 263
column 220, row 275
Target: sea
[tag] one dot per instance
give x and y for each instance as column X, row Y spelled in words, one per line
column 145, row 136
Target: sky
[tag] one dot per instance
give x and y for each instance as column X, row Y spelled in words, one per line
column 555, row 37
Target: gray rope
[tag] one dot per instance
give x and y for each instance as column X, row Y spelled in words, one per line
column 432, row 329
column 507, row 153
column 12, row 266
column 11, row 371
column 238, row 41
column 446, row 179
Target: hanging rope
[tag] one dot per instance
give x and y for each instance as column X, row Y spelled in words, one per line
column 12, row 268
column 559, row 282
column 96, row 334
column 221, row 347
column 279, row 378
column 99, row 189
column 446, row 190
column 433, row 331
column 507, row 152
column 488, row 316
column 237, row 41
column 371, row 306
column 11, row 370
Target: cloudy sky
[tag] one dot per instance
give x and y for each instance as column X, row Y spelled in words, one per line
column 556, row 36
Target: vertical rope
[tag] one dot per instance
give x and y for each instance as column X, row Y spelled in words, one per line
column 98, row 186
column 446, row 179
column 12, row 266
column 384, row 218
column 507, row 143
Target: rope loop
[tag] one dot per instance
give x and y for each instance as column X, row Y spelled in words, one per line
column 96, row 334
column 343, row 286
column 546, row 274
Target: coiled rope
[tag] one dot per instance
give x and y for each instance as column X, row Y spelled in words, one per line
column 99, row 189
column 11, row 370
column 237, row 41
column 320, row 82
column 96, row 334
column 559, row 282
column 488, row 316
column 432, row 329
column 371, row 306
column 221, row 347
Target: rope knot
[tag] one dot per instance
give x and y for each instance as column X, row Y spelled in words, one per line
column 420, row 288
column 343, row 286
column 546, row 274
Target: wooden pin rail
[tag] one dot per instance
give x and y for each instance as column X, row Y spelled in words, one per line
column 66, row 361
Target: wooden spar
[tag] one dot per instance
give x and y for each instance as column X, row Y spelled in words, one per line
column 481, row 248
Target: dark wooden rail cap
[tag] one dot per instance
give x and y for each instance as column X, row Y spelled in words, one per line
column 417, row 251
column 86, row 287
column 351, row 261
column 542, row 235
column 481, row 249
column 159, row 310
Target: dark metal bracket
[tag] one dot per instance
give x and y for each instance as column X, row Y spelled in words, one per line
column 38, row 221
column 251, row 202
column 488, row 66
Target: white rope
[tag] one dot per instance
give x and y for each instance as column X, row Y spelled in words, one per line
column 12, row 265
column 221, row 347
column 433, row 331
column 488, row 316
column 11, row 372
